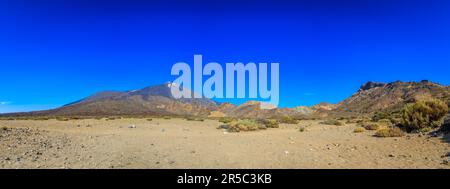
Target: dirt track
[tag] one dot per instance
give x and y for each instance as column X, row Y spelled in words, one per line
column 178, row 143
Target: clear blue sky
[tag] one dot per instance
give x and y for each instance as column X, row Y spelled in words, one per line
column 56, row 52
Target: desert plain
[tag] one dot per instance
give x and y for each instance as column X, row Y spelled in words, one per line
column 167, row 143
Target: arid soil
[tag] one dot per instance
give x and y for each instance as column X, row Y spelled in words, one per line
column 177, row 143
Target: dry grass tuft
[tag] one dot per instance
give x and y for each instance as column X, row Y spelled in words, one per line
column 332, row 122
column 390, row 132
column 359, row 130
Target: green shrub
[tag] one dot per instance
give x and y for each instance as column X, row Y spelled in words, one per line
column 288, row 120
column 149, row 119
column 389, row 132
column 302, row 129
column 379, row 116
column 331, row 122
column 424, row 114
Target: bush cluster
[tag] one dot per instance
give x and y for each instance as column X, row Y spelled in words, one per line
column 424, row 115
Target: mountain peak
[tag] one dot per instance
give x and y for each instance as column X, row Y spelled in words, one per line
column 371, row 85
column 152, row 100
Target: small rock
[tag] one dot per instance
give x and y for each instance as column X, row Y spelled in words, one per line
column 391, row 155
column 132, row 127
column 286, row 152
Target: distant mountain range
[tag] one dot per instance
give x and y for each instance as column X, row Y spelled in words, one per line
column 158, row 100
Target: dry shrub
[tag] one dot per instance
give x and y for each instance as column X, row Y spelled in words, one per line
column 424, row 114
column 385, row 122
column 389, row 132
column 194, row 119
column 350, row 121
column 331, row 122
column 270, row 123
column 302, row 129
column 226, row 120
column 359, row 130
column 243, row 125
column 41, row 118
column 62, row 119
column 288, row 120
column 113, row 118
column 370, row 126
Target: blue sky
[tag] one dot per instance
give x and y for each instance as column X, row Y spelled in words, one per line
column 56, row 52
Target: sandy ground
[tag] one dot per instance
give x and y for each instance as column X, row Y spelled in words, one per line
column 177, row 143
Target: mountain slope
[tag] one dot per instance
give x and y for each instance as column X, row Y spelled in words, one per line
column 254, row 109
column 391, row 97
column 154, row 100
column 158, row 100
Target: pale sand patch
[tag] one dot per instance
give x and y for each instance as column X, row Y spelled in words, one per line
column 177, row 143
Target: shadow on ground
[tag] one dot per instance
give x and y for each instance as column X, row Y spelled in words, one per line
column 445, row 129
